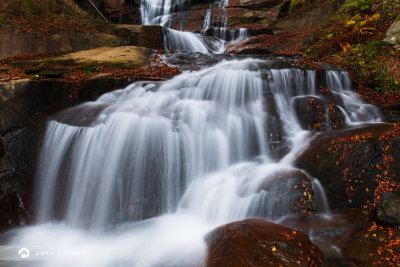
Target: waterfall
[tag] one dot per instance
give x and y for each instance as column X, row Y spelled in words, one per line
column 158, row 12
column 151, row 168
column 184, row 41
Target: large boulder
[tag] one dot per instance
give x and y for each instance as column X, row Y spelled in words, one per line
column 388, row 208
column 256, row 242
column 353, row 164
column 129, row 56
column 393, row 34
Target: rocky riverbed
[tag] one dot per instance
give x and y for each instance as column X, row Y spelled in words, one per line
column 46, row 69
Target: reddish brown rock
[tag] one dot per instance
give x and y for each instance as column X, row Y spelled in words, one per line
column 355, row 165
column 361, row 241
column 256, row 21
column 256, row 242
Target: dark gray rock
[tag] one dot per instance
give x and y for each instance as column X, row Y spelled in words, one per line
column 388, row 208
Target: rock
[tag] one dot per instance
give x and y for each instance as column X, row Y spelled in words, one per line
column 336, row 117
column 13, row 212
column 388, row 208
column 142, row 35
column 2, row 148
column 131, row 56
column 291, row 192
column 255, row 32
column 316, row 16
column 255, row 4
column 14, row 41
column 121, row 11
column 359, row 242
column 393, row 35
column 351, row 163
column 285, row 191
column 311, row 113
column 12, row 89
column 237, row 18
column 52, row 73
column 391, row 113
column 256, row 242
column 22, row 124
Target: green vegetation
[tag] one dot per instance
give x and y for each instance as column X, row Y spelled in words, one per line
column 359, row 5
column 375, row 63
column 354, row 37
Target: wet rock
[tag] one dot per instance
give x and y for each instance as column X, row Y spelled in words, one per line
column 388, row 208
column 240, row 50
column 352, row 163
column 13, row 212
column 238, row 17
column 393, row 35
column 256, row 242
column 311, row 113
column 359, row 242
column 289, row 192
column 336, row 117
column 23, row 104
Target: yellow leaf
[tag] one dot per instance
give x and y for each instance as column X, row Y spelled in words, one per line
column 345, row 47
column 376, row 16
column 351, row 22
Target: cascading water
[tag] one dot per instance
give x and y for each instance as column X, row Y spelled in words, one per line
column 158, row 12
column 216, row 20
column 193, row 151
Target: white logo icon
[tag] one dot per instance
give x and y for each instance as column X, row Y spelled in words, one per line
column 24, row 253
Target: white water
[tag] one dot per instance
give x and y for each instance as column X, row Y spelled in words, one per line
column 193, row 150
column 158, row 12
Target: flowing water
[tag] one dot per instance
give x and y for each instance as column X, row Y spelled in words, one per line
column 139, row 176
column 159, row 12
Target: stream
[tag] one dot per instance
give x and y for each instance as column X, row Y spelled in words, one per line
column 140, row 176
